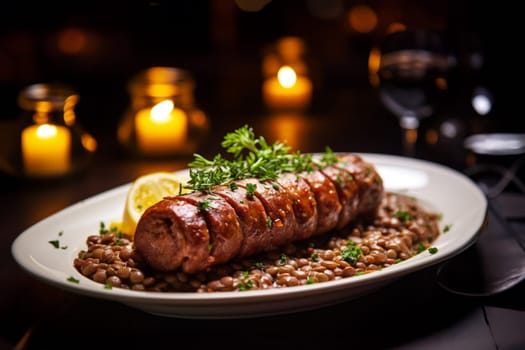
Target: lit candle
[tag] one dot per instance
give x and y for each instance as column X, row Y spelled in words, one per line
column 46, row 150
column 161, row 129
column 287, row 90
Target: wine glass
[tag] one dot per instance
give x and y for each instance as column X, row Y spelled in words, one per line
column 412, row 67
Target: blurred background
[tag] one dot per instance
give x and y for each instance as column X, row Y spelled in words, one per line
column 96, row 47
column 228, row 46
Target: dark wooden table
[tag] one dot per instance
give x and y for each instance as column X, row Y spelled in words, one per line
column 413, row 312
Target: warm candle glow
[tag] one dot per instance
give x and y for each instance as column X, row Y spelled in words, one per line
column 374, row 62
column 161, row 129
column 46, row 150
column 160, row 113
column 286, row 77
column 287, row 90
column 288, row 127
column 362, row 18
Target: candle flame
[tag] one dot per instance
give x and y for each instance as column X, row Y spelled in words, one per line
column 287, row 76
column 46, row 131
column 161, row 111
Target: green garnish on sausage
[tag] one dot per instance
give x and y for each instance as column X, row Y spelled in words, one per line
column 250, row 157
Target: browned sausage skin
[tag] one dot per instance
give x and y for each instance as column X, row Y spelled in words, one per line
column 174, row 234
column 347, row 191
column 328, row 203
column 225, row 231
column 280, row 219
column 369, row 183
column 252, row 216
column 303, row 203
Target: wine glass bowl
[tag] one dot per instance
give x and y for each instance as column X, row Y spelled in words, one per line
column 411, row 80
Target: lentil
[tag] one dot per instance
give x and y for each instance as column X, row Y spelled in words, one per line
column 110, row 259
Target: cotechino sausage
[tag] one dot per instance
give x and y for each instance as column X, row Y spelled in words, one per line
column 200, row 229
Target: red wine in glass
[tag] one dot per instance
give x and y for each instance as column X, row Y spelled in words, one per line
column 412, row 74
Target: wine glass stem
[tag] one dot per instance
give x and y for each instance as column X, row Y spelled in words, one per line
column 409, row 124
column 409, row 141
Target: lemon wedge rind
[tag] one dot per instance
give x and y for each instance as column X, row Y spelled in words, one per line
column 145, row 191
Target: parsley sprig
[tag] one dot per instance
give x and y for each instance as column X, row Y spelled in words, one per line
column 250, row 156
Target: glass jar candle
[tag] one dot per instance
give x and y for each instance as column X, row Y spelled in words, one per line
column 162, row 119
column 49, row 143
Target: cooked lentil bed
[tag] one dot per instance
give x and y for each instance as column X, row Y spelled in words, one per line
column 400, row 230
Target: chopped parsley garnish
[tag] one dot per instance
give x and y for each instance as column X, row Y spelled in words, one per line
column 102, row 228
column 245, row 285
column 250, row 156
column 403, row 215
column 421, row 248
column 339, row 180
column 56, row 243
column 73, row 280
column 446, row 228
column 283, row 259
column 250, row 189
column 310, row 280
column 314, row 257
column 108, row 286
column 432, row 250
column 269, row 222
column 114, row 229
column 204, row 205
column 329, row 157
column 352, row 253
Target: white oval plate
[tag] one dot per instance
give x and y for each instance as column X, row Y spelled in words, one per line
column 441, row 189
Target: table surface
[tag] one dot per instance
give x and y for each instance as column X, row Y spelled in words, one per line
column 412, row 312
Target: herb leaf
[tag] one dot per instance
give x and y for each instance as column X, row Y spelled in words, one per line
column 403, row 215
column 73, row 280
column 250, row 156
column 352, row 253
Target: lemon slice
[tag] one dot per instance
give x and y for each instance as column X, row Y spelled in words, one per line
column 145, row 191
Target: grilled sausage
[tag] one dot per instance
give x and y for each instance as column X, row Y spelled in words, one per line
column 194, row 231
column 174, row 233
column 280, row 218
column 328, row 203
column 304, row 204
column 369, row 183
column 251, row 215
column 224, row 228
